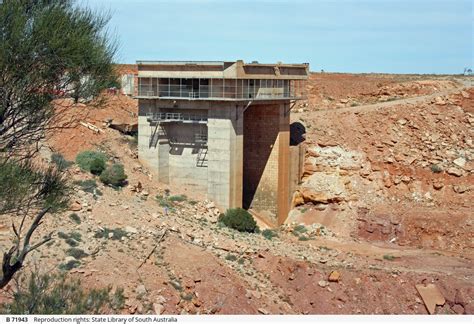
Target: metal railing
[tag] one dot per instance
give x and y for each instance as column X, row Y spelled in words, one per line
column 241, row 91
column 176, row 117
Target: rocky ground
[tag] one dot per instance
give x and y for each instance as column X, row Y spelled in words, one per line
column 382, row 220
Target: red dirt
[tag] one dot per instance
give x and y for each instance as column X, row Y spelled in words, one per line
column 384, row 237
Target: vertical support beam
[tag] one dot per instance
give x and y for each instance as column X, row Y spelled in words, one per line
column 283, row 164
column 225, row 164
column 148, row 154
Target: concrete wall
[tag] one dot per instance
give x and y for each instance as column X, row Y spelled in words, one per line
column 248, row 153
column 183, row 153
column 147, row 154
column 225, row 129
column 266, row 161
column 173, row 156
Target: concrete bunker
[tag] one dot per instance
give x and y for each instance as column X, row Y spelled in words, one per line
column 223, row 128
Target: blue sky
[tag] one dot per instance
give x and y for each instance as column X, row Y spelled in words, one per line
column 402, row 36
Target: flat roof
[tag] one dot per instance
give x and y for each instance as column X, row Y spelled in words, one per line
column 219, row 63
column 180, row 63
column 222, row 69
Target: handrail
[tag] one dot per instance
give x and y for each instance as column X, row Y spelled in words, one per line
column 214, row 92
column 181, row 117
column 263, row 89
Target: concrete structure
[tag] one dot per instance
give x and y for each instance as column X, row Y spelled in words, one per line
column 221, row 128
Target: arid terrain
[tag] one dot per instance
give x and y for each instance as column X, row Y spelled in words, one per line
column 385, row 204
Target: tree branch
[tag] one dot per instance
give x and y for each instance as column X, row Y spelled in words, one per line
column 9, row 269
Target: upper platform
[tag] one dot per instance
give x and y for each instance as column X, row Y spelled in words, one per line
column 192, row 80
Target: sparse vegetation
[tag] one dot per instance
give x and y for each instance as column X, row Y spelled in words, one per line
column 55, row 294
column 75, row 218
column 60, row 162
column 77, row 253
column 269, row 234
column 72, row 242
column 92, row 161
column 71, row 239
column 299, row 229
column 69, row 265
column 240, row 220
column 113, row 234
column 230, row 257
column 178, row 198
column 389, row 257
column 114, row 175
column 164, row 201
column 436, row 168
column 76, row 236
column 89, row 186
column 63, row 235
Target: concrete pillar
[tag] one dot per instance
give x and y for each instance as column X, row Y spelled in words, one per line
column 147, row 154
column 225, row 143
column 266, row 161
column 283, row 164
column 163, row 160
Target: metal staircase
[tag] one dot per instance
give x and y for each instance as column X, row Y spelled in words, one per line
column 202, row 160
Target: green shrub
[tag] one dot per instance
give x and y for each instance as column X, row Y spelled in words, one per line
column 91, row 161
column 55, row 294
column 76, row 253
column 97, row 167
column 72, row 239
column 178, row 198
column 117, row 233
column 63, row 235
column 164, row 202
column 75, row 218
column 230, row 257
column 60, row 162
column 300, row 229
column 89, row 186
column 239, row 219
column 72, row 242
column 269, row 234
column 76, row 236
column 114, row 175
column 389, row 257
column 70, row 265
column 436, row 168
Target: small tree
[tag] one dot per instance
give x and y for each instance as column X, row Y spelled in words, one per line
column 50, row 51
column 27, row 188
